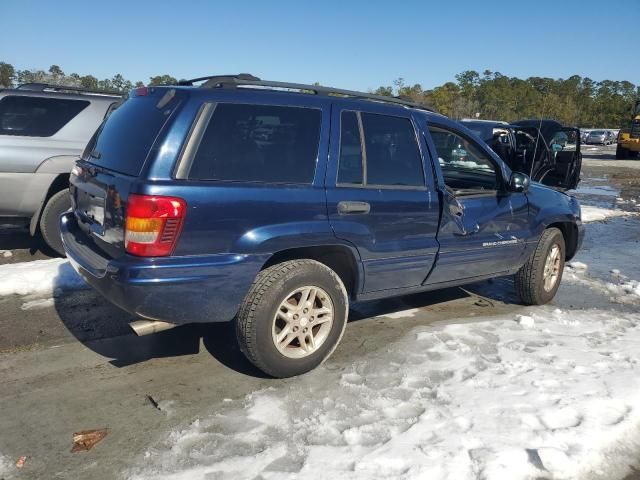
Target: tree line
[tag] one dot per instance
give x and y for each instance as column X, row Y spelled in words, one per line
column 577, row 100
column 11, row 77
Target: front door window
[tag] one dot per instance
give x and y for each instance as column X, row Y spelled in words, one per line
column 465, row 167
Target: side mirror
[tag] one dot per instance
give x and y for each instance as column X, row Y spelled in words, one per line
column 519, row 182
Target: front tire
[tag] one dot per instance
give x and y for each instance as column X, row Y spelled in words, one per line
column 292, row 318
column 538, row 280
column 59, row 203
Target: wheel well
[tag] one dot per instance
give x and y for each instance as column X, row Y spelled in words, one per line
column 338, row 258
column 570, row 234
column 59, row 183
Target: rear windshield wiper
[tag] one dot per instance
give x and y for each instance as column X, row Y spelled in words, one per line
column 95, row 154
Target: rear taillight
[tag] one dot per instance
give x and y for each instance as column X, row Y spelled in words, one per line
column 153, row 224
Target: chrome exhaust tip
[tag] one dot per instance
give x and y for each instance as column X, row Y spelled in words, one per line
column 147, row 327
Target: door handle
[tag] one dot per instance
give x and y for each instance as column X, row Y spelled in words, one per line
column 345, row 208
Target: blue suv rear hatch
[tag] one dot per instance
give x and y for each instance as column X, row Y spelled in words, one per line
column 114, row 160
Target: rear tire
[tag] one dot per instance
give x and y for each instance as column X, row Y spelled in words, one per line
column 292, row 318
column 59, row 203
column 538, row 280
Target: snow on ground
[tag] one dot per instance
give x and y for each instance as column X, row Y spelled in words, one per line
column 5, row 467
column 598, row 214
column 619, row 288
column 37, row 304
column 38, row 277
column 550, row 394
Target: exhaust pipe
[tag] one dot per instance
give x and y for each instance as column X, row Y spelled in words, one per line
column 147, row 327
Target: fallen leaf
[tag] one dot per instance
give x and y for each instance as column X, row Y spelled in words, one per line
column 86, row 439
column 21, row 461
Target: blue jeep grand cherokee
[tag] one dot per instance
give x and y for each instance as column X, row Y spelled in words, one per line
column 274, row 205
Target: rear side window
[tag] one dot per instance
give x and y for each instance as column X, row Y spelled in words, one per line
column 259, row 143
column 392, row 153
column 35, row 116
column 124, row 140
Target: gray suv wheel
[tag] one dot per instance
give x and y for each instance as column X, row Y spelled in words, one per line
column 50, row 218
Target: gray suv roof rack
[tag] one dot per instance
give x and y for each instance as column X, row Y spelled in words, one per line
column 42, row 87
column 248, row 80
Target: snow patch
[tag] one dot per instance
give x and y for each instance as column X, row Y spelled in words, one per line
column 5, row 467
column 526, row 321
column 402, row 314
column 577, row 265
column 6, row 253
column 37, row 304
column 469, row 400
column 620, row 288
column 39, row 277
column 599, row 214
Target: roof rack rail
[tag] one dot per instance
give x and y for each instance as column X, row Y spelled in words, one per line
column 219, row 79
column 41, row 87
column 248, row 80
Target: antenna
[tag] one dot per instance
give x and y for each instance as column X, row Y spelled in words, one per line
column 535, row 150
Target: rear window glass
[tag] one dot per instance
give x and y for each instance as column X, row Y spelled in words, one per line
column 35, row 116
column 124, row 140
column 393, row 157
column 262, row 143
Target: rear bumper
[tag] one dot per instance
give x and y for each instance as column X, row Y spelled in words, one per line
column 179, row 290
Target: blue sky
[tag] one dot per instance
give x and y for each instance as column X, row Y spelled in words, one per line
column 348, row 44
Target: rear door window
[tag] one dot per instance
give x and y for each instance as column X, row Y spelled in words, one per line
column 259, row 143
column 37, row 116
column 392, row 153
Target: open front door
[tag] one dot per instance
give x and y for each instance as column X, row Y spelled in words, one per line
column 565, row 146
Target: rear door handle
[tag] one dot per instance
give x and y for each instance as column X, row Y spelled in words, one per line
column 345, row 208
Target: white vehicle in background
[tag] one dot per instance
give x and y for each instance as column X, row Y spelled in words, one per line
column 584, row 133
column 600, row 137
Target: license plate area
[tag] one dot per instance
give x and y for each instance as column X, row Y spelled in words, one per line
column 89, row 208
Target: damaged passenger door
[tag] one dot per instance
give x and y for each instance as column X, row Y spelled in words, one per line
column 484, row 226
column 565, row 146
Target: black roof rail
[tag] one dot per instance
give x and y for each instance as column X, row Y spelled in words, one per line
column 248, row 80
column 41, row 87
column 214, row 80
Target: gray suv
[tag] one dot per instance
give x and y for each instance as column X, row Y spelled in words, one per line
column 43, row 131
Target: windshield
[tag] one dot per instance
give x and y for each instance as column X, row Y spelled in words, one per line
column 597, row 132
